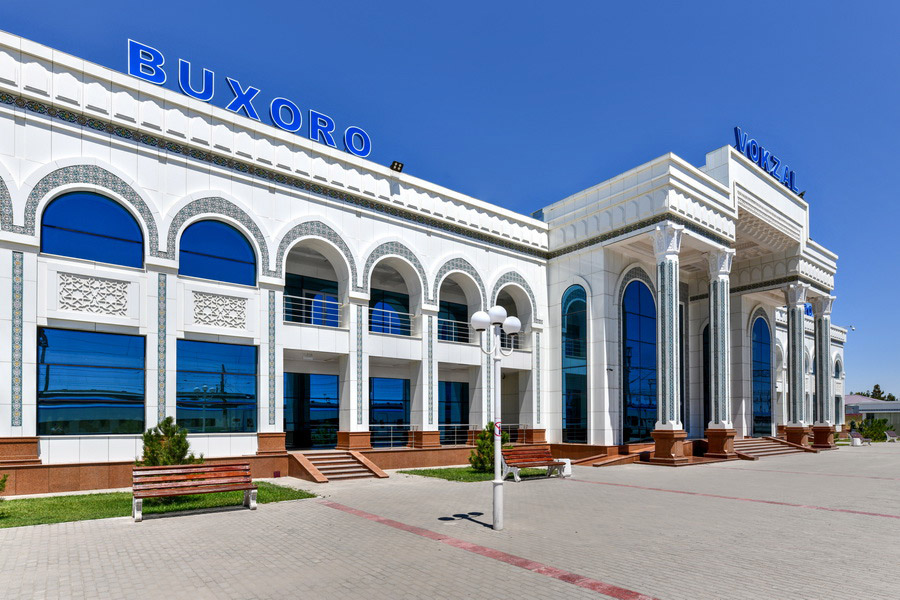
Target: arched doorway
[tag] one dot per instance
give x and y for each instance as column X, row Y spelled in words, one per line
column 638, row 363
column 574, row 365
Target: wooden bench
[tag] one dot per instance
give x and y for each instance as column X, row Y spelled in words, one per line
column 891, row 436
column 185, row 480
column 855, row 435
column 523, row 457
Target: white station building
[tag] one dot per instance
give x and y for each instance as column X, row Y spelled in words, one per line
column 161, row 256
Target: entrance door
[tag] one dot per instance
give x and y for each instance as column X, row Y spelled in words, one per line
column 311, row 405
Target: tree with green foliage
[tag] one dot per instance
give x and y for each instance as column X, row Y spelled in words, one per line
column 874, row 429
column 3, row 484
column 167, row 444
column 482, row 457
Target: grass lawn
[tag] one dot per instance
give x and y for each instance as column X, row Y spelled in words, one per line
column 468, row 474
column 59, row 509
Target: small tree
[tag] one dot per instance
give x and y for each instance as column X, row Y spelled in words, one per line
column 3, row 484
column 874, row 429
column 482, row 457
column 167, row 444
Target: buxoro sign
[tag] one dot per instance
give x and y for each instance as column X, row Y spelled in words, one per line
column 770, row 163
column 146, row 62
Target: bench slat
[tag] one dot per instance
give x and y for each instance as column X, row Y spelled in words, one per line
column 189, row 476
column 192, row 491
column 182, row 484
column 181, row 469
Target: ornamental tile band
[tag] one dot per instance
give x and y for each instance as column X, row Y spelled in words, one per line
column 359, row 364
column 271, row 357
column 92, row 175
column 537, row 350
column 218, row 206
column 251, row 169
column 459, row 264
column 315, row 229
column 430, row 366
column 17, row 316
column 217, row 310
column 513, row 277
column 396, row 249
column 81, row 293
column 161, row 349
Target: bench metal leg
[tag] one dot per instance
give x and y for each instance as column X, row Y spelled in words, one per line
column 250, row 499
column 137, row 507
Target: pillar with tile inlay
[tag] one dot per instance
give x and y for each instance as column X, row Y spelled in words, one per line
column 797, row 429
column 669, row 434
column 823, row 428
column 353, row 432
column 720, row 430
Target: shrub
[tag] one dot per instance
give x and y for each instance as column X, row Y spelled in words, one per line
column 3, row 484
column 482, row 457
column 874, row 429
column 167, row 444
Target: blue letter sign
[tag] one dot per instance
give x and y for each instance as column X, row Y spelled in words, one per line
column 146, row 62
column 767, row 161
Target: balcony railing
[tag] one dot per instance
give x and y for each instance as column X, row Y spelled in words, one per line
column 511, row 342
column 454, row 434
column 389, row 436
column 313, row 311
column 514, row 430
column 390, row 322
column 454, row 331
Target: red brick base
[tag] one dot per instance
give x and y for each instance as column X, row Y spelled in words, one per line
column 669, row 447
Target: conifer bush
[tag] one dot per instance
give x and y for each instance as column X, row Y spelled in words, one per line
column 3, row 484
column 482, row 457
column 167, row 444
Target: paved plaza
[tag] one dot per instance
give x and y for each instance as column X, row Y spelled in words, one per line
column 797, row 526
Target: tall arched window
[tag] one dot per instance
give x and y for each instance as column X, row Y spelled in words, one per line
column 837, row 369
column 761, row 340
column 90, row 226
column 639, row 363
column 214, row 250
column 574, row 365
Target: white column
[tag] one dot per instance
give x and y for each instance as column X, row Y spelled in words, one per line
column 354, row 404
column 824, row 371
column 720, row 338
column 667, row 244
column 424, row 392
column 795, row 297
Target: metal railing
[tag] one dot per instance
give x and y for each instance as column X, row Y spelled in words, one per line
column 574, row 348
column 510, row 342
column 454, row 331
column 454, row 434
column 312, row 311
column 515, row 432
column 390, row 322
column 390, row 436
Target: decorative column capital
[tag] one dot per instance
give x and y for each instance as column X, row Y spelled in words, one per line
column 821, row 305
column 720, row 262
column 795, row 294
column 667, row 240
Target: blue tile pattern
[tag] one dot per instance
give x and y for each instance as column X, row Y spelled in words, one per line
column 513, row 277
column 464, row 266
column 271, row 357
column 18, row 285
column 396, row 249
column 316, row 229
column 161, row 316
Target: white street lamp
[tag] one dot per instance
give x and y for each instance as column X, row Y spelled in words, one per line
column 496, row 318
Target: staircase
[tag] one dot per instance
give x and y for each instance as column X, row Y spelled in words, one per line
column 339, row 465
column 762, row 447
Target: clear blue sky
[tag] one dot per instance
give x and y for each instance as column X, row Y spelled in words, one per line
column 524, row 103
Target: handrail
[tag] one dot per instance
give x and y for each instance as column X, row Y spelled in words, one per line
column 389, row 435
column 313, row 311
column 390, row 322
column 454, row 331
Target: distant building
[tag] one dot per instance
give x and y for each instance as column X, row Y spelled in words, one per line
column 863, row 407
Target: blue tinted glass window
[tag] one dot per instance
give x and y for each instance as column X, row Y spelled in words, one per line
column 639, row 363
column 389, row 411
column 89, row 226
column 311, row 404
column 311, row 300
column 89, row 383
column 762, row 378
column 216, row 387
column 389, row 312
column 453, row 322
column 453, row 411
column 574, row 365
column 214, row 250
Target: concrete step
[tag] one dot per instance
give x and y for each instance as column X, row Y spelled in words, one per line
column 338, row 465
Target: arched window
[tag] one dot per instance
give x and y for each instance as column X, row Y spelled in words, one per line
column 214, row 250
column 90, row 226
column 761, row 340
column 837, row 369
column 574, row 365
column 639, row 363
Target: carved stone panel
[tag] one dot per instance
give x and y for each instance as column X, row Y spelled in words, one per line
column 81, row 293
column 220, row 311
